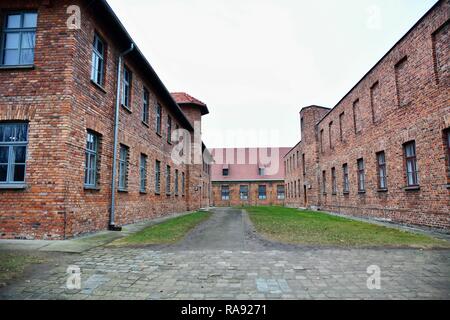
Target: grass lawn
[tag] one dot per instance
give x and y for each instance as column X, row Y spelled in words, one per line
column 166, row 232
column 315, row 228
column 12, row 264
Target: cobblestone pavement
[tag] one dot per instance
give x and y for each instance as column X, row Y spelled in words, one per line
column 258, row 272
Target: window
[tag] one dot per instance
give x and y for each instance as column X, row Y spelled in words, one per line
column 330, row 133
column 333, row 181
column 356, row 116
column 346, row 184
column 295, row 189
column 262, row 194
column 123, row 168
column 143, row 173
column 176, row 182
column 381, row 161
column 361, row 176
column 183, row 184
column 98, row 58
column 341, row 126
column 324, row 182
column 261, row 171
column 145, row 113
column 447, row 135
column 157, row 177
column 412, row 172
column 304, row 164
column 321, row 140
column 225, row 172
column 280, row 192
column 168, row 180
column 225, row 193
column 158, row 118
column 13, row 152
column 169, row 129
column 126, row 88
column 90, row 168
column 298, row 159
column 243, row 192
column 18, row 39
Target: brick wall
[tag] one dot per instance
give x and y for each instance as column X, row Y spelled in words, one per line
column 405, row 97
column 253, row 199
column 61, row 104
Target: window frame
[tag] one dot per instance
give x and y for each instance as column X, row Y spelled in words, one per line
column 4, row 31
column 143, row 162
column 334, row 189
column 123, row 168
column 225, row 196
column 10, row 165
column 157, row 177
column 176, row 182
column 345, row 179
column 407, row 159
column 168, row 180
column 183, row 183
column 281, row 195
column 382, row 171
column 145, row 106
column 241, row 192
column 361, row 175
column 158, row 119
column 91, row 153
column 169, row 129
column 324, row 182
column 126, row 88
column 101, row 57
column 262, row 196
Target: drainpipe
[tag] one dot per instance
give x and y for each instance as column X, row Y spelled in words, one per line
column 112, row 223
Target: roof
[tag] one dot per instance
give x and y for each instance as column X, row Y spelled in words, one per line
column 244, row 164
column 104, row 12
column 184, row 98
column 414, row 27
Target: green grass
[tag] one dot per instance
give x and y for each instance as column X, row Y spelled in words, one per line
column 167, row 232
column 12, row 265
column 315, row 228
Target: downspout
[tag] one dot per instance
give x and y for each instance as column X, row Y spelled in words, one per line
column 112, row 223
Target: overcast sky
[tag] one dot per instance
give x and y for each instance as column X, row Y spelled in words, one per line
column 256, row 63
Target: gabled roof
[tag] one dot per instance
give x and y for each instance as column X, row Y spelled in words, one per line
column 244, row 164
column 184, row 98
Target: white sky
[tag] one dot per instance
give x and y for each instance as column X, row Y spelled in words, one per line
column 256, row 63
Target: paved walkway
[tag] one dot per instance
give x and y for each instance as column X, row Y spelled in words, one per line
column 224, row 259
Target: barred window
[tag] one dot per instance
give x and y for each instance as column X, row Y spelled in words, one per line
column 333, row 181
column 176, row 182
column 169, row 129
column 158, row 118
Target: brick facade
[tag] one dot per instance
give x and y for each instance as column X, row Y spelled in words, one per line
column 61, row 104
column 404, row 98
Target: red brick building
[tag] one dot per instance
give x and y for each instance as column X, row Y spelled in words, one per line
column 248, row 176
column 59, row 73
column 383, row 151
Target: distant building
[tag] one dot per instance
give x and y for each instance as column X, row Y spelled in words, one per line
column 248, row 176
